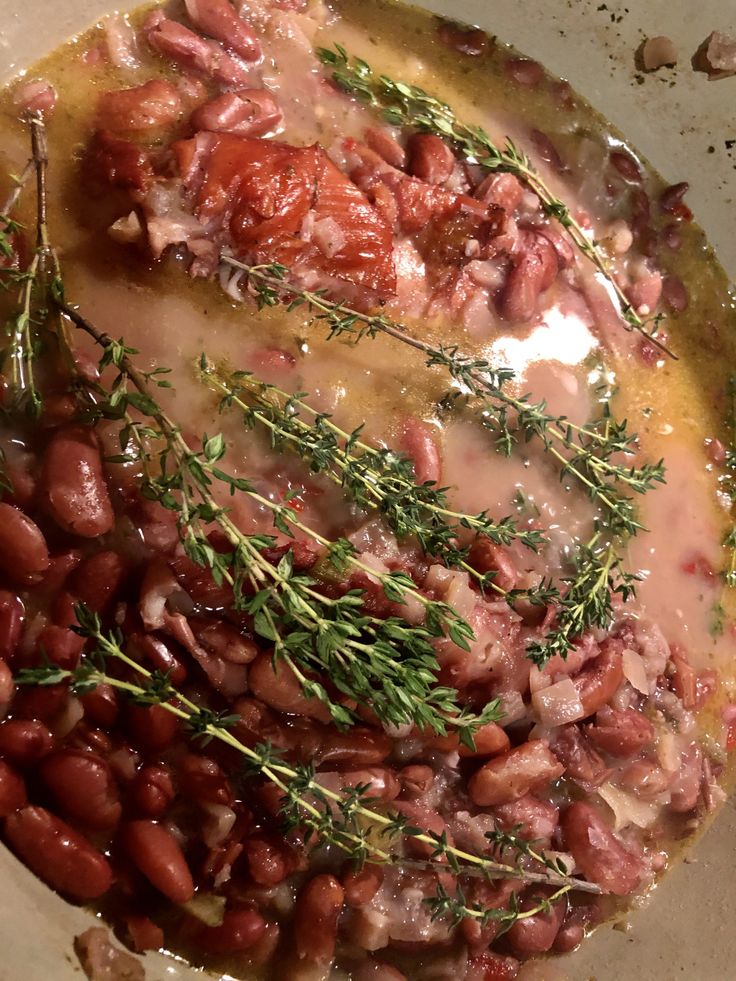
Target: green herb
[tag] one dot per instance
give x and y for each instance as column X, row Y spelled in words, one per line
column 350, row 820
column 407, row 105
column 376, row 479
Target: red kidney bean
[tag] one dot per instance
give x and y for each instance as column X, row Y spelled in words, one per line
column 158, row 654
column 675, row 294
column 270, row 858
column 384, row 144
column 72, row 485
column 12, row 618
column 356, row 748
column 515, row 774
column 485, row 556
column 422, row 817
column 430, row 158
column 218, row 19
column 670, row 201
column 23, row 549
column 247, row 112
column 101, row 706
column 24, row 742
column 97, row 579
column 226, row 642
column 536, row 934
column 87, row 738
column 381, row 781
column 278, row 686
column 418, row 441
column 600, row 679
column 645, row 779
column 599, row 854
column 533, row 819
column 46, row 704
column 533, row 271
column 202, row 779
column 82, row 786
column 492, row 967
column 12, row 790
column 582, row 762
column 371, row 970
column 151, row 727
column 626, row 166
column 152, row 791
column 672, row 237
column 685, row 788
column 154, row 104
column 144, row 933
column 241, row 929
column 489, row 740
column 318, row 907
column 361, row 885
column 465, row 40
column 57, row 854
column 547, row 151
column 572, row 931
column 157, row 854
column 524, row 71
column 7, row 687
column 416, row 780
column 623, row 734
column 61, row 646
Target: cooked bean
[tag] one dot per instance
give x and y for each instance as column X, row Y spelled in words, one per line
column 7, row 687
column 357, row 748
column 226, row 642
column 582, row 762
column 419, row 442
column 101, row 706
column 12, row 790
column 670, row 201
column 536, row 934
column 58, row 854
column 487, row 557
column 675, row 294
column 532, row 818
column 241, row 929
column 270, row 858
column 416, row 780
column 430, row 158
column 61, row 646
column 318, row 907
column 160, row 656
column 83, row 787
column 626, row 166
column 12, row 618
column 532, row 272
column 511, row 776
column 599, row 854
column 151, row 727
column 157, row 854
column 247, row 112
column 203, row 780
column 547, row 151
column 524, row 71
column 470, row 41
column 24, row 741
column 361, row 885
column 219, row 19
column 685, row 788
column 152, row 790
column 386, row 146
column 278, row 686
column 572, row 931
column 144, row 933
column 645, row 779
column 623, row 733
column 600, row 679
column 46, row 704
column 72, row 485
column 97, row 579
column 23, row 549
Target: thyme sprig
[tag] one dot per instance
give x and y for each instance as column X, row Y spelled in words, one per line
column 375, row 478
column 388, row 663
column 408, row 105
column 348, row 819
column 588, row 453
column 595, row 579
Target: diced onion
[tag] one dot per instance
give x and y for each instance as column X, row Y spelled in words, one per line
column 73, row 712
column 558, row 704
column 628, row 809
column 635, row 670
column 207, row 908
column 219, row 824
